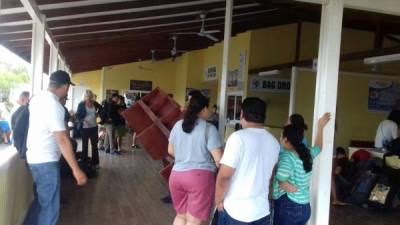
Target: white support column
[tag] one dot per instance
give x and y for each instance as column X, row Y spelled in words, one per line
column 325, row 101
column 103, row 75
column 53, row 58
column 37, row 55
column 293, row 86
column 61, row 63
column 225, row 69
column 58, row 61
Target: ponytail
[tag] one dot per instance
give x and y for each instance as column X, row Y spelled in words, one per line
column 196, row 104
column 305, row 156
column 295, row 135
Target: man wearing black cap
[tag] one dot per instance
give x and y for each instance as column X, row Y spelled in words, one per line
column 47, row 140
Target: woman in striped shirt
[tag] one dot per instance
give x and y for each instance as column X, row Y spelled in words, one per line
column 292, row 179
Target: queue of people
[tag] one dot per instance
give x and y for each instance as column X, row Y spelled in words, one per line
column 252, row 167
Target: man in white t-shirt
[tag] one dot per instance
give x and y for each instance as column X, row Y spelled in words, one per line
column 247, row 164
column 47, row 140
column 388, row 130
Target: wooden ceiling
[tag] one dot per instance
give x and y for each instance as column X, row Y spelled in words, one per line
column 96, row 33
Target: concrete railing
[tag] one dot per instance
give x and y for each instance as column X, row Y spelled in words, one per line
column 16, row 188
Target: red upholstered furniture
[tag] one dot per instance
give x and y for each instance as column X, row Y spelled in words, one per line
column 152, row 118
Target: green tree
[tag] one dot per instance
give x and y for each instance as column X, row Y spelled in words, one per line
column 11, row 77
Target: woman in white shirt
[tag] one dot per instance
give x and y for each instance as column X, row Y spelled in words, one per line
column 388, row 130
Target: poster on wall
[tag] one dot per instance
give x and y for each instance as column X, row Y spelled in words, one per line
column 266, row 84
column 383, row 96
column 141, row 85
column 233, row 78
column 210, row 73
column 110, row 92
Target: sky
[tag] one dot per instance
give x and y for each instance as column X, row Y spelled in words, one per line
column 11, row 58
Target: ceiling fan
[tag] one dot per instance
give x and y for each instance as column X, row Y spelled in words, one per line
column 174, row 51
column 203, row 32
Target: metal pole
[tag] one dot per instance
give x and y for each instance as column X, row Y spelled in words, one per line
column 225, row 61
column 325, row 101
column 293, row 86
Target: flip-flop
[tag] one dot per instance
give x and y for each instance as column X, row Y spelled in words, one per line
column 339, row 203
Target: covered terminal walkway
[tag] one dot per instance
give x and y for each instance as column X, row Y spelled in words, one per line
column 325, row 54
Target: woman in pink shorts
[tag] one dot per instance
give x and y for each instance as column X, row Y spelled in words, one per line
column 197, row 148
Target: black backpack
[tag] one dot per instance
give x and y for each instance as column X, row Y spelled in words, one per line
column 103, row 113
column 20, row 130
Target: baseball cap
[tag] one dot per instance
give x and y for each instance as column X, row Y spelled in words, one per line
column 60, row 77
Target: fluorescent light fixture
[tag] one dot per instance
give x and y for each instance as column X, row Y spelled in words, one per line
column 382, row 59
column 269, row 73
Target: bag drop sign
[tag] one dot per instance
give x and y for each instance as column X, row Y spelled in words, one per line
column 269, row 84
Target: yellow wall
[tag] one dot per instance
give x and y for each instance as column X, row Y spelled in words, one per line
column 212, row 56
column 90, row 80
column 161, row 73
column 181, row 79
column 354, row 121
column 274, row 45
column 305, row 92
column 352, row 41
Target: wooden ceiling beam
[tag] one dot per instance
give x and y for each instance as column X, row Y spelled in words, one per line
column 189, row 17
column 119, row 7
column 140, row 47
column 150, row 15
column 128, row 7
column 165, row 28
column 178, row 23
column 4, row 36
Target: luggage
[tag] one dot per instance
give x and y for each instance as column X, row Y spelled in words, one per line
column 86, row 167
column 382, row 195
column 362, row 187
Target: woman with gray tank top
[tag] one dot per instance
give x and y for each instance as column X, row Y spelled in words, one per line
column 197, row 148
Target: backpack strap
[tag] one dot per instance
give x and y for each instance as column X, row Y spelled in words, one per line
column 207, row 131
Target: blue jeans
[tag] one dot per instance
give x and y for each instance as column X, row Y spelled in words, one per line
column 45, row 207
column 225, row 219
column 287, row 212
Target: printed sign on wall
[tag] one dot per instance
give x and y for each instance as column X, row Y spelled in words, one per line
column 141, row 85
column 383, row 96
column 265, row 84
column 210, row 73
